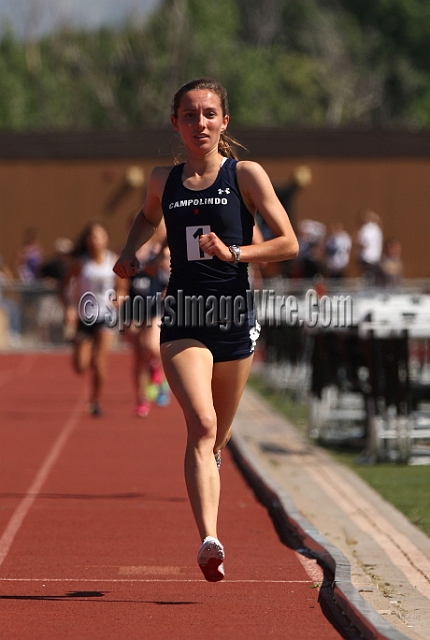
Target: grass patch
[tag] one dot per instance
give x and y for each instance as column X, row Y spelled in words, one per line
column 405, row 487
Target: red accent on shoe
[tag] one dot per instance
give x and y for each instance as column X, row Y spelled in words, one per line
column 211, row 559
column 156, row 374
column 143, row 408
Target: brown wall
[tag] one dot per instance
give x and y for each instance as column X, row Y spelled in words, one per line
column 58, row 196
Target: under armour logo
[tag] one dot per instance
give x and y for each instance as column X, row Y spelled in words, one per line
column 224, row 190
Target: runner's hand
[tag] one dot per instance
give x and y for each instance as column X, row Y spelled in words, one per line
column 126, row 266
column 213, row 246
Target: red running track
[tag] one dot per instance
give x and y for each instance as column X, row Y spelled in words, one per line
column 97, row 537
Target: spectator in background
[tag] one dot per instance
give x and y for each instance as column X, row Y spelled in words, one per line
column 29, row 257
column 392, row 263
column 27, row 263
column 56, row 267
column 301, row 178
column 10, row 306
column 337, row 250
column 50, row 312
column 310, row 261
column 368, row 241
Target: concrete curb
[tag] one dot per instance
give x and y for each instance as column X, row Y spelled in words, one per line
column 289, row 520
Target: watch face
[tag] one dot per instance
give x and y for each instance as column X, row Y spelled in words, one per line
column 235, row 251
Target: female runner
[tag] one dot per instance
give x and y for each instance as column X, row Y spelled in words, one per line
column 90, row 278
column 143, row 334
column 209, row 326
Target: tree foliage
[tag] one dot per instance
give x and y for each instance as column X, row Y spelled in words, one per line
column 284, row 63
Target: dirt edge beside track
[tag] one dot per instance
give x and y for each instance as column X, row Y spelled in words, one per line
column 290, row 523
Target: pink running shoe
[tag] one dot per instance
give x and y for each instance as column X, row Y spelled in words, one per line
column 142, row 409
column 210, row 559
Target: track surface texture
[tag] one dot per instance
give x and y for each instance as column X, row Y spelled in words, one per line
column 97, row 538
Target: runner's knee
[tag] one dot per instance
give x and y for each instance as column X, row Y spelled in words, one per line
column 202, row 427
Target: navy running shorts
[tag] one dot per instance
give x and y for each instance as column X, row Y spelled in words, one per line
column 228, row 345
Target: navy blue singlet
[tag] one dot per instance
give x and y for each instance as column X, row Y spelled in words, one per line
column 143, row 292
column 188, row 214
column 218, row 284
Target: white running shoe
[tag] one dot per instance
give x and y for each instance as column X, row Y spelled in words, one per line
column 210, row 559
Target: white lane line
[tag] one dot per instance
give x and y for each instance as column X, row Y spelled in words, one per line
column 24, row 506
column 84, row 580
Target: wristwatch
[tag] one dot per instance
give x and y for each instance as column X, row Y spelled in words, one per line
column 235, row 252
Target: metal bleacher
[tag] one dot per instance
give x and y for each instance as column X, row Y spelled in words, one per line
column 367, row 379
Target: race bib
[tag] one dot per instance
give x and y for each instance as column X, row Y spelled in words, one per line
column 193, row 248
